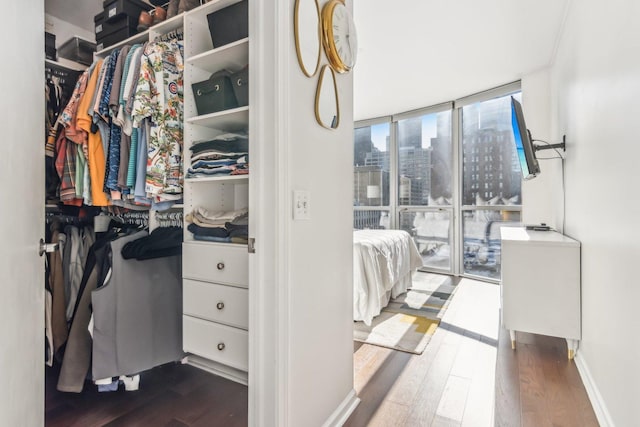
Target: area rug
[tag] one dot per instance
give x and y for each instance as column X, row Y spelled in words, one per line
column 409, row 321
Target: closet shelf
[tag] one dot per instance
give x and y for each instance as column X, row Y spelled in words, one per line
column 66, row 63
column 175, row 206
column 191, row 241
column 232, row 56
column 168, row 25
column 223, row 178
column 138, row 38
column 228, row 120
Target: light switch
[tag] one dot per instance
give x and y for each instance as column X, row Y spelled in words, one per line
column 301, row 205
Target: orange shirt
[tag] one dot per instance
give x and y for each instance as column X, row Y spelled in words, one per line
column 96, row 158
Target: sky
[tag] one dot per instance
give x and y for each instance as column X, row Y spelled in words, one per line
column 380, row 132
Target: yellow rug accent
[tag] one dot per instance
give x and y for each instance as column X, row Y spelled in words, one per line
column 423, row 325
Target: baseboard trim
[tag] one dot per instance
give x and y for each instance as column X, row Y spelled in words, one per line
column 344, row 411
column 217, row 369
column 599, row 406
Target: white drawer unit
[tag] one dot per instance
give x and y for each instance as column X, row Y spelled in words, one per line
column 219, row 303
column 220, row 343
column 541, row 284
column 220, row 263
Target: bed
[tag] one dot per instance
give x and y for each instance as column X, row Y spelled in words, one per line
column 383, row 263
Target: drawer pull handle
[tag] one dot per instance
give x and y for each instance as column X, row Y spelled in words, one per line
column 220, row 305
column 221, row 346
column 220, row 266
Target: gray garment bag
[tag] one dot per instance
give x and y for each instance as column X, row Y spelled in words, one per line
column 137, row 314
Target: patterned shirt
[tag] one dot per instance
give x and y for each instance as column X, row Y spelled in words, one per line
column 159, row 96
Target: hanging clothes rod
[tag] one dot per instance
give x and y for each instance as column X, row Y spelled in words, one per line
column 169, row 219
column 174, row 34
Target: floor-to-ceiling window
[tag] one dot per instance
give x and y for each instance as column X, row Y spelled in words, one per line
column 372, row 173
column 425, row 183
column 490, row 179
column 446, row 174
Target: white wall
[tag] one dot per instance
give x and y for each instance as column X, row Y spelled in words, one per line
column 65, row 30
column 320, row 254
column 595, row 86
column 538, row 194
column 303, row 312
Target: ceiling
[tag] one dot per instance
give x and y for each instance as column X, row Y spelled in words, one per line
column 417, row 53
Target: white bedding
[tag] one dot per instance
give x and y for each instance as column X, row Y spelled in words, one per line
column 383, row 262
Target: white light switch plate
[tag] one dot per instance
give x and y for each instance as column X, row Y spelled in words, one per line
column 301, row 205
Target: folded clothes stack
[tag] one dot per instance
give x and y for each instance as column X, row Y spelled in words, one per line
column 226, row 154
column 221, row 227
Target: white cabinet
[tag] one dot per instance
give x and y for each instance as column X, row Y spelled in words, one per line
column 216, row 275
column 540, row 289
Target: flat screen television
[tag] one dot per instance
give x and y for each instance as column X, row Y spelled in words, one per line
column 524, row 144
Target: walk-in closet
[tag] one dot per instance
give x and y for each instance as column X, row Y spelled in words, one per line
column 147, row 219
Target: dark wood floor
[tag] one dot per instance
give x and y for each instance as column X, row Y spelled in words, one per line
column 169, row 396
column 467, row 376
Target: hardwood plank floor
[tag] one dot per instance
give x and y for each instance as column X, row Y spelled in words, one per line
column 469, row 375
column 172, row 395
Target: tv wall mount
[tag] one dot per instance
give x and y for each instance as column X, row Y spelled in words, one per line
column 547, row 146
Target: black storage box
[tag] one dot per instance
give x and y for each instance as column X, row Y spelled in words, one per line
column 77, row 49
column 116, row 31
column 104, row 28
column 49, row 40
column 118, row 36
column 240, row 83
column 50, row 46
column 229, row 24
column 214, row 94
column 131, row 8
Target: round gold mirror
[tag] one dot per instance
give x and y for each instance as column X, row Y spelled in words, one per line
column 327, row 107
column 307, row 34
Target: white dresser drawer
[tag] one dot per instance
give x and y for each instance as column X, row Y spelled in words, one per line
column 218, row 263
column 220, row 303
column 220, row 343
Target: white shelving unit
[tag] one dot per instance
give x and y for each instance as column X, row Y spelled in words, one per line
column 216, row 275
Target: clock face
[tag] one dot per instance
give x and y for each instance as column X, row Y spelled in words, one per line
column 339, row 36
column 344, row 36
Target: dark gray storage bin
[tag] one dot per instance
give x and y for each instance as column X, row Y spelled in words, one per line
column 229, row 24
column 240, row 83
column 214, row 94
column 77, row 49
